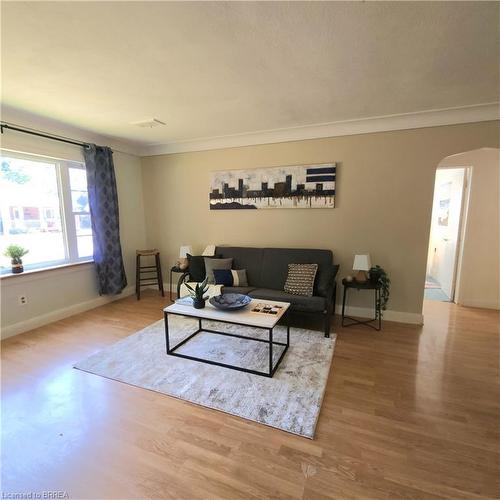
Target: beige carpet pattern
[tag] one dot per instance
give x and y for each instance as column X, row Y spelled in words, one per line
column 290, row 401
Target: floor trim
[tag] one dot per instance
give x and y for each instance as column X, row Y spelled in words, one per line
column 50, row 317
column 389, row 315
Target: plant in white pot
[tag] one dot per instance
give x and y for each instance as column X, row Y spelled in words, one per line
column 16, row 252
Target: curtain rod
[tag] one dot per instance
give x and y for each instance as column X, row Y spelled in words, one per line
column 5, row 125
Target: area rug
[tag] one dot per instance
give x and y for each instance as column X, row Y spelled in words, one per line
column 290, row 401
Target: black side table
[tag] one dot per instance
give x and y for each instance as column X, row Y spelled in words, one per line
column 367, row 285
column 174, row 269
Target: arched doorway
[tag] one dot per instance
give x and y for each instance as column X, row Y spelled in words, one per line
column 464, row 253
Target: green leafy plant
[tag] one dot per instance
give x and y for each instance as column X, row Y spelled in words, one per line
column 199, row 291
column 380, row 277
column 15, row 252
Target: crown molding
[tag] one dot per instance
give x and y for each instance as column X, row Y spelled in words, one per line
column 421, row 119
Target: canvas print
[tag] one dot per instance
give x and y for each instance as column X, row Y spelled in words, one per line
column 298, row 186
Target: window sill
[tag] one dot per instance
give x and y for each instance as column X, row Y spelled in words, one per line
column 30, row 272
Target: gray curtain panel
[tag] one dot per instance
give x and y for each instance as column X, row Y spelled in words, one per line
column 103, row 201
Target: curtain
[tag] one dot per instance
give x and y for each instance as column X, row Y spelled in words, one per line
column 103, row 202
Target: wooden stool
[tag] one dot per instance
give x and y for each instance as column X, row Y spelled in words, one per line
column 139, row 270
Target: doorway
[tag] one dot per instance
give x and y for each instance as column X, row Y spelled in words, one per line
column 448, row 215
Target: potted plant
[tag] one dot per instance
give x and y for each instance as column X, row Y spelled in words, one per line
column 16, row 252
column 378, row 276
column 198, row 293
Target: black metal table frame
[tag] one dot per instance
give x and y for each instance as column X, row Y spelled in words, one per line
column 174, row 269
column 272, row 367
column 367, row 322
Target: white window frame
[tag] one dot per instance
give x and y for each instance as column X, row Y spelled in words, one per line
column 68, row 226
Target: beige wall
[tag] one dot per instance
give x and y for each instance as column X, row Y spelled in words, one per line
column 385, row 183
column 59, row 293
column 384, row 201
column 478, row 281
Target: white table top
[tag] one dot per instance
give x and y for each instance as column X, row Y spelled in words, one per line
column 243, row 316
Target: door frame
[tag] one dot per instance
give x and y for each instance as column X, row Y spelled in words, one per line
column 462, row 227
column 464, row 206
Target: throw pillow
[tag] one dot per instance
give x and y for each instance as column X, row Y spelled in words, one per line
column 239, row 277
column 196, row 268
column 325, row 280
column 211, row 264
column 231, row 277
column 223, row 277
column 300, row 279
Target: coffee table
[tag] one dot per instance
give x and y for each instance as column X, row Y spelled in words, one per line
column 243, row 317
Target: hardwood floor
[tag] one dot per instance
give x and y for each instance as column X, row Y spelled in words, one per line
column 410, row 412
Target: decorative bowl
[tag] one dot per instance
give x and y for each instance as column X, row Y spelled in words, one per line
column 230, row 301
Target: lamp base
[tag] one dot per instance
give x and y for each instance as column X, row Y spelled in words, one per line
column 361, row 277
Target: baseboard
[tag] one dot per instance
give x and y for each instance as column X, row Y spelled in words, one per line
column 50, row 317
column 481, row 304
column 389, row 315
column 45, row 319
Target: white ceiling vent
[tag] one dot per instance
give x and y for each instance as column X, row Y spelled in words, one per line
column 153, row 122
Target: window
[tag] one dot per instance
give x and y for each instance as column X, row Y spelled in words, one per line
column 44, row 207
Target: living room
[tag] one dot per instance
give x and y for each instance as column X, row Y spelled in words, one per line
column 284, row 150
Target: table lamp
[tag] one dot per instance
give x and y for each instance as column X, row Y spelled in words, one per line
column 362, row 263
column 182, row 263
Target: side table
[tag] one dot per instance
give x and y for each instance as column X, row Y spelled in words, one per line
column 174, row 269
column 367, row 285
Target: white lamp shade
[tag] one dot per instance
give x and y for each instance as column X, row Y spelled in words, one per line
column 362, row 263
column 185, row 249
column 209, row 251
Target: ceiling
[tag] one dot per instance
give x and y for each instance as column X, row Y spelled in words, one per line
column 210, row 69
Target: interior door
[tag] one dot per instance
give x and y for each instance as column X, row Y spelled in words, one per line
column 445, row 229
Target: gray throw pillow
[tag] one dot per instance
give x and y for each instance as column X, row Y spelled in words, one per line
column 211, row 264
column 300, row 279
column 239, row 277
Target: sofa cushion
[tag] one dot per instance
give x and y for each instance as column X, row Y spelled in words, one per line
column 245, row 258
column 275, row 262
column 299, row 303
column 245, row 290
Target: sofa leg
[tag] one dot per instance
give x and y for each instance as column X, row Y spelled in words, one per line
column 328, row 321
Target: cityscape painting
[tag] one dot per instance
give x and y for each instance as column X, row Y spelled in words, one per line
column 299, row 186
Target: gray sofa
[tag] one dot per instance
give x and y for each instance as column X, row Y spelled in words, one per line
column 267, row 270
